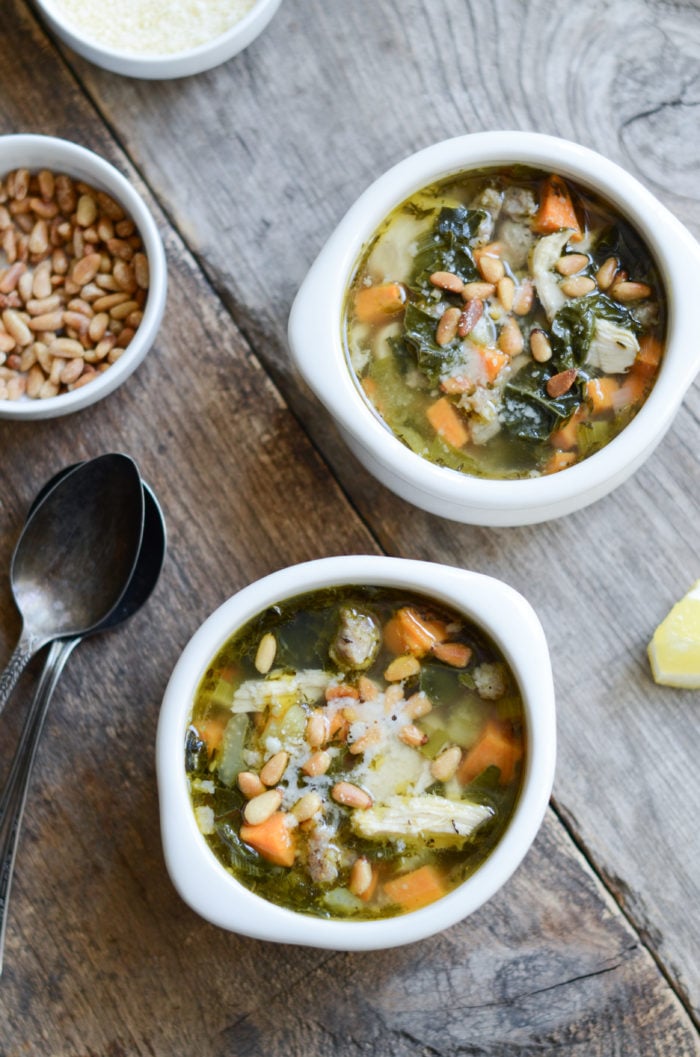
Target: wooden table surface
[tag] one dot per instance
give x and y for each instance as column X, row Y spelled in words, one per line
column 592, row 947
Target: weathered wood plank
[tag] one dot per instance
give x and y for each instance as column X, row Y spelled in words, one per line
column 280, row 141
column 102, row 957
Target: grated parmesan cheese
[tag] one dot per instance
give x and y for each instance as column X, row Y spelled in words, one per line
column 152, row 27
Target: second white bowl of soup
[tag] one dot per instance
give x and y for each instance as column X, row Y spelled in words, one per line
column 502, row 327
column 356, row 752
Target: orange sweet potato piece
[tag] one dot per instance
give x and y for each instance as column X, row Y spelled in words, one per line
column 409, row 632
column 600, row 393
column 211, row 731
column 416, row 889
column 494, row 361
column 446, row 422
column 556, row 210
column 377, row 304
column 566, row 437
column 650, row 351
column 272, row 839
column 559, row 460
column 496, row 747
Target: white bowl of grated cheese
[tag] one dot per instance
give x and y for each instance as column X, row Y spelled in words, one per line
column 157, row 39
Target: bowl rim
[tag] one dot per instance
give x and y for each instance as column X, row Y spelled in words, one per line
column 316, row 317
column 62, row 155
column 164, row 65
column 217, row 896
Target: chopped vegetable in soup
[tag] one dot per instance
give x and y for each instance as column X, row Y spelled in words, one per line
column 355, row 753
column 505, row 323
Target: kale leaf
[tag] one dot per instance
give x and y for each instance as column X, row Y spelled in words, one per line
column 447, row 248
column 419, row 335
column 574, row 325
column 528, row 412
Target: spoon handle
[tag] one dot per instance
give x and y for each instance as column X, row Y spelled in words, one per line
column 14, row 793
column 22, row 654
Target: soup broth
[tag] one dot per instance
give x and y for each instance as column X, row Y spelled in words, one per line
column 505, row 323
column 355, row 752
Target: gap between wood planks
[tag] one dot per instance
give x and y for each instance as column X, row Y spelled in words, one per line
column 614, row 890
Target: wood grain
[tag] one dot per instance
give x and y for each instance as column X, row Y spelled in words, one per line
column 263, row 155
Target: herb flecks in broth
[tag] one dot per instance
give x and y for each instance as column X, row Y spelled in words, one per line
column 355, row 752
column 505, row 323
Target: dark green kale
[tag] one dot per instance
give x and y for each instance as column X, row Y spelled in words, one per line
column 574, row 325
column 528, row 412
column 419, row 334
column 447, row 248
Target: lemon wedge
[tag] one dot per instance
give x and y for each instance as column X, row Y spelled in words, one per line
column 674, row 651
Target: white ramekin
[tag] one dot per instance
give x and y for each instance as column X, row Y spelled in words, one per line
column 163, row 67
column 315, row 335
column 61, row 156
column 200, row 878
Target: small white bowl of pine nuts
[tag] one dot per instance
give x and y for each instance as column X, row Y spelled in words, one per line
column 158, row 41
column 502, row 326
column 356, row 752
column 83, row 277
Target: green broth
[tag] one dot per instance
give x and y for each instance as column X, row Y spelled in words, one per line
column 483, row 401
column 419, row 712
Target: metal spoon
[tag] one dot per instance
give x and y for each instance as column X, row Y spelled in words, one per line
column 75, row 556
column 14, row 795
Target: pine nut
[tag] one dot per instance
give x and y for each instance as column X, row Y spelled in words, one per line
column 262, row 807
column 86, row 212
column 317, row 763
column 510, row 338
column 607, row 272
column 418, row 705
column 506, row 292
column 97, row 326
column 11, row 277
column 317, row 729
column 350, row 795
column 445, row 765
column 368, row 689
column 539, row 346
column 265, row 655
column 39, row 238
column 411, row 735
column 478, row 291
column 307, row 806
column 490, row 268
column 361, row 876
column 577, row 286
column 447, row 327
column 49, row 321
column 560, row 383
column 629, row 291
column 39, row 306
column 275, row 767
column 366, row 741
column 85, row 270
column 15, row 325
column 447, row 281
column 250, row 784
column 402, row 668
column 41, row 287
column 140, row 265
column 66, row 348
column 70, row 370
column 571, row 263
column 470, row 317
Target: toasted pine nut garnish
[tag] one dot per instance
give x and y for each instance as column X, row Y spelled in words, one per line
column 418, row 705
column 629, row 291
column 250, row 784
column 350, row 795
column 491, row 269
column 539, row 346
column 447, row 281
column 470, row 317
column 402, row 668
column 524, row 298
column 366, row 741
column 510, row 338
column 571, row 263
column 274, row 768
column 261, row 807
column 560, row 383
column 478, row 291
column 506, row 292
column 367, row 688
column 360, row 876
column 577, row 286
column 265, row 655
column 307, row 806
column 411, row 735
column 607, row 272
column 317, row 729
column 317, row 763
column 445, row 765
column 447, row 326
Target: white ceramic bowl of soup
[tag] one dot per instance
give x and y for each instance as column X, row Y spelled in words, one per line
column 214, row 893
column 154, row 64
column 317, row 345
column 60, row 156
